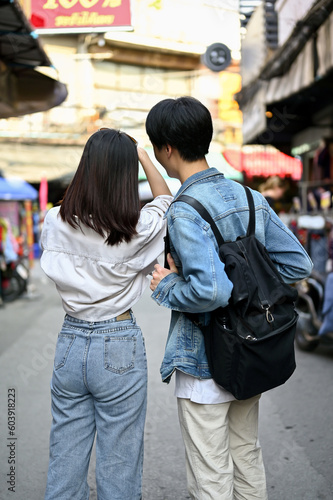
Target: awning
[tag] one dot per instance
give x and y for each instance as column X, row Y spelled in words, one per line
column 295, row 86
column 258, row 161
column 16, row 189
column 23, row 89
column 277, row 122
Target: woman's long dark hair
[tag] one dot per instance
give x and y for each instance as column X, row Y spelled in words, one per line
column 104, row 194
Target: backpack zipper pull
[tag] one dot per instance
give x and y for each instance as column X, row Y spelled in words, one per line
column 269, row 315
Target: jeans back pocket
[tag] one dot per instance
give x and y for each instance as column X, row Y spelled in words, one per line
column 119, row 354
column 64, row 344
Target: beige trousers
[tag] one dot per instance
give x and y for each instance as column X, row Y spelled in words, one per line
column 223, row 455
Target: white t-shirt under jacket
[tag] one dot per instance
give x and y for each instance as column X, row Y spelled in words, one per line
column 97, row 281
column 202, row 391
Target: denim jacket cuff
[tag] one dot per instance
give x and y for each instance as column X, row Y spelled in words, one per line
column 161, row 291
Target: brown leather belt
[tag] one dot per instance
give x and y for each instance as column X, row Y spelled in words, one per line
column 123, row 316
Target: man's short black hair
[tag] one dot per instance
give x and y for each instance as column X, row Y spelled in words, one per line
column 183, row 123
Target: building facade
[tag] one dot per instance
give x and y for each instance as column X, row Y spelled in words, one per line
column 288, row 101
column 115, row 74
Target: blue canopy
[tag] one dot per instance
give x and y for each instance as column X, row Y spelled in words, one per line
column 16, row 189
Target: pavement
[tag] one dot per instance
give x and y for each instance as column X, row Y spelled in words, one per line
column 294, row 427
column 29, row 328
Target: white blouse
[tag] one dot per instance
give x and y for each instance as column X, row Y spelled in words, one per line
column 97, row 281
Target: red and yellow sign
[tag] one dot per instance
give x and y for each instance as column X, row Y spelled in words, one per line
column 79, row 15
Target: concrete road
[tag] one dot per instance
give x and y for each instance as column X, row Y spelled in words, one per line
column 295, row 419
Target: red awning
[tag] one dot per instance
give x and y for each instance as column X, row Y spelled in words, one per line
column 264, row 162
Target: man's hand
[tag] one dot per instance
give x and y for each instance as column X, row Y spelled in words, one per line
column 160, row 272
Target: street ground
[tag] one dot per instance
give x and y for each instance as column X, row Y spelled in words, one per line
column 295, row 419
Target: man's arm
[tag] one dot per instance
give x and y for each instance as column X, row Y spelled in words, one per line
column 203, row 284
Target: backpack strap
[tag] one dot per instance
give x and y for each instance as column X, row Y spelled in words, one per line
column 251, row 228
column 208, row 218
column 204, row 214
column 194, row 317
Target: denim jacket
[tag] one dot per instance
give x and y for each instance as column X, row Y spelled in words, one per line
column 202, row 284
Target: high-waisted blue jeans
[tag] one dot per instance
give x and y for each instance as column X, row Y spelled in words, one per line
column 98, row 388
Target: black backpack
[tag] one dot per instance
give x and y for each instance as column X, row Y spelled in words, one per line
column 250, row 343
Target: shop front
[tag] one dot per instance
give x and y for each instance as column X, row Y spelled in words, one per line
column 289, row 105
column 19, row 235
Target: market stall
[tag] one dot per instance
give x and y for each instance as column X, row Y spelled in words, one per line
column 17, row 234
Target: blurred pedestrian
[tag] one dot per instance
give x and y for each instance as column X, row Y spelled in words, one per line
column 324, row 160
column 273, row 189
column 223, row 455
column 98, row 248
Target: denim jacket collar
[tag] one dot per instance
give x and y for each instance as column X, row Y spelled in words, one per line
column 204, row 174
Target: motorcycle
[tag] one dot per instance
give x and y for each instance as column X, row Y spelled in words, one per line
column 313, row 326
column 311, row 291
column 14, row 279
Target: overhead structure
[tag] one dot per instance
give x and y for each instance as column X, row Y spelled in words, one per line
column 288, row 101
column 23, row 89
column 16, row 189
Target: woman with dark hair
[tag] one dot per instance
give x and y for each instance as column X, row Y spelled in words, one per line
column 98, row 248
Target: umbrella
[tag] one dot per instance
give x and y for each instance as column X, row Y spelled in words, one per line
column 16, row 189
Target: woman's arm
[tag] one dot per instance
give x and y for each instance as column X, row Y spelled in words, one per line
column 157, row 184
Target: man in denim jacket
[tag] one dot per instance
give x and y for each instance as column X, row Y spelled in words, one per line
column 223, row 455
